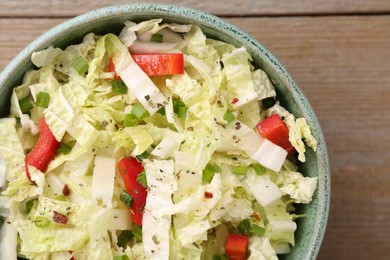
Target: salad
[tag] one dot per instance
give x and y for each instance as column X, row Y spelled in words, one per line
column 157, row 143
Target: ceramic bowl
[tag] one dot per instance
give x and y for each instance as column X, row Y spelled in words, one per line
column 311, row 229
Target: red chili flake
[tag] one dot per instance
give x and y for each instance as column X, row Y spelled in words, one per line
column 235, row 100
column 60, row 218
column 208, row 195
column 66, row 190
column 71, row 252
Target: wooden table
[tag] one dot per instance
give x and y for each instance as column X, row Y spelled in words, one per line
column 339, row 53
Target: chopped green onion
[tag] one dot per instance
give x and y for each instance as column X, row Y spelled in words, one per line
column 118, row 86
column 182, row 112
column 161, row 111
column 81, row 65
column 209, row 171
column 126, row 198
column 141, row 179
column 240, row 169
column 142, row 156
column 244, row 227
column 268, row 102
column 220, row 257
column 139, row 111
column 229, row 117
column 41, row 222
column 255, row 229
column 124, row 238
column 177, row 103
column 130, row 120
column 1, row 221
column 121, row 257
column 137, row 232
column 30, row 205
column 179, row 108
column 64, row 149
column 43, row 99
column 259, row 169
column 60, row 198
column 157, row 37
column 25, row 105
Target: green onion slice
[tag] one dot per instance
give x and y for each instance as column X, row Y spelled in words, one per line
column 121, row 257
column 64, row 149
column 137, row 232
column 229, row 117
column 130, row 120
column 240, row 169
column 25, row 105
column 157, row 38
column 142, row 156
column 43, row 99
column 30, row 205
column 126, row 198
column 41, row 222
column 244, row 227
column 124, row 238
column 81, row 65
column 139, row 111
column 141, row 179
column 259, row 169
column 255, row 229
column 118, row 86
column 209, row 171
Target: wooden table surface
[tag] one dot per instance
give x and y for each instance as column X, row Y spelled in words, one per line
column 339, row 53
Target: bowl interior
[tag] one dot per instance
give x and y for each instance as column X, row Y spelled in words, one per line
column 310, row 229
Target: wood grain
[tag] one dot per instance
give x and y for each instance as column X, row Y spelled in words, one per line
column 342, row 64
column 59, row 8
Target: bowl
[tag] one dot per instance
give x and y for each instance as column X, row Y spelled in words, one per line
column 310, row 231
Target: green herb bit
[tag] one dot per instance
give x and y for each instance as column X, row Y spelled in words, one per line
column 244, row 227
column 1, row 221
column 130, row 120
column 127, row 199
column 255, row 229
column 124, row 238
column 25, row 105
column 41, row 222
column 43, row 99
column 64, row 149
column 259, row 169
column 229, row 117
column 157, row 37
column 121, row 257
column 137, row 232
column 30, row 205
column 139, row 111
column 118, row 86
column 141, row 179
column 81, row 65
column 240, row 169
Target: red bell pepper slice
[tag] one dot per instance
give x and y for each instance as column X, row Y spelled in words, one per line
column 236, row 246
column 158, row 64
column 274, row 129
column 130, row 168
column 44, row 151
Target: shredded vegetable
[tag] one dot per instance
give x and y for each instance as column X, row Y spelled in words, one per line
column 154, row 152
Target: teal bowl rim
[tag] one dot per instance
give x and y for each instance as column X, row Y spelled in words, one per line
column 221, row 27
